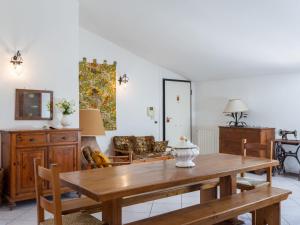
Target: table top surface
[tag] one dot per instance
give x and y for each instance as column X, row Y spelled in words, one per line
column 121, row 181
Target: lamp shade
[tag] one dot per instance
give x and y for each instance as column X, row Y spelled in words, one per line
column 91, row 122
column 235, row 105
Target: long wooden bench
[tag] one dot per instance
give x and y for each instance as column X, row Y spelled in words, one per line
column 265, row 200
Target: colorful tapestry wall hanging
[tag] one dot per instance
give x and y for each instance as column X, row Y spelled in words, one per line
column 97, row 88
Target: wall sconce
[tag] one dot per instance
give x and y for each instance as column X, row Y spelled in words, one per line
column 16, row 60
column 123, row 79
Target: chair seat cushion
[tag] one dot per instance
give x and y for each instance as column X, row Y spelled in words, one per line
column 250, row 182
column 76, row 219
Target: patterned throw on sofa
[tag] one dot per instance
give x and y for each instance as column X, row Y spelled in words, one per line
column 141, row 146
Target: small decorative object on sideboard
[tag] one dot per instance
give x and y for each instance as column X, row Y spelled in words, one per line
column 236, row 109
column 1, row 184
column 67, row 108
column 185, row 152
column 285, row 133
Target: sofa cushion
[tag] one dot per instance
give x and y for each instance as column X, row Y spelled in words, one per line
column 125, row 143
column 160, row 146
column 143, row 145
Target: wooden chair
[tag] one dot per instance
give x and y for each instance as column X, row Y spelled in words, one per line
column 247, row 183
column 55, row 206
column 88, row 163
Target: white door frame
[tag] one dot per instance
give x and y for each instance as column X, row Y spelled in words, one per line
column 164, row 104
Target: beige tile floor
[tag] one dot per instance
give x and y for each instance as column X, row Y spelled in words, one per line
column 25, row 213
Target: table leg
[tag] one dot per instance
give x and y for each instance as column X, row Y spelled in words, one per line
column 112, row 212
column 208, row 194
column 228, row 187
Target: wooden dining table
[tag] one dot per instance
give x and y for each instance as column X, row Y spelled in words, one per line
column 110, row 185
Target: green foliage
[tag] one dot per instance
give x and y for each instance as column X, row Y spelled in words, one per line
column 66, row 107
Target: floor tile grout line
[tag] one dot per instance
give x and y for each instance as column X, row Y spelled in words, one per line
column 151, row 209
column 286, row 221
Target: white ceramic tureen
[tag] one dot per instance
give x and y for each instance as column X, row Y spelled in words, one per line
column 185, row 152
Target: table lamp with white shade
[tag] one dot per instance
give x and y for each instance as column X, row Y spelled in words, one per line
column 91, row 125
column 236, row 109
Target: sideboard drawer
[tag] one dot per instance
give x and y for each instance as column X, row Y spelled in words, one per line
column 31, row 139
column 64, row 137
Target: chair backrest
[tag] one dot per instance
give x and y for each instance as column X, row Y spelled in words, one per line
column 51, row 176
column 257, row 147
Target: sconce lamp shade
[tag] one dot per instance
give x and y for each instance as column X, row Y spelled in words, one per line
column 91, row 122
column 235, row 105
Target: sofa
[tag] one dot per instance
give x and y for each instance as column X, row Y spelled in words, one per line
column 141, row 147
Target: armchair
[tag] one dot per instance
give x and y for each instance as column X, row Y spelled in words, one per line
column 88, row 157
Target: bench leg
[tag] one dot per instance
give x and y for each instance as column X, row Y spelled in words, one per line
column 269, row 215
column 208, row 194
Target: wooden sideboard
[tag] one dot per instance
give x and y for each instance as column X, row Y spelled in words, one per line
column 231, row 138
column 20, row 147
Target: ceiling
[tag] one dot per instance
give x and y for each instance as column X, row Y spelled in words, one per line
column 203, row 39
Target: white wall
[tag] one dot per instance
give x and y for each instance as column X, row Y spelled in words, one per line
column 144, row 87
column 273, row 102
column 46, row 32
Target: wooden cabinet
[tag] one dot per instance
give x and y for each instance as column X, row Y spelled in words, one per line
column 24, row 168
column 65, row 156
column 231, row 138
column 19, row 148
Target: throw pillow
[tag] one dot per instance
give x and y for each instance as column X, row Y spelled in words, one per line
column 100, row 159
column 160, row 146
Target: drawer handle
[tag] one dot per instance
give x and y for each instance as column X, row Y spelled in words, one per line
column 64, row 138
column 31, row 139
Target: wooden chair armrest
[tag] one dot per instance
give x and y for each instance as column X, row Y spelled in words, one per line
column 118, row 157
column 116, row 163
column 121, row 151
column 129, row 153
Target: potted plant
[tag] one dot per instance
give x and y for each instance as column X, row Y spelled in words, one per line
column 67, row 108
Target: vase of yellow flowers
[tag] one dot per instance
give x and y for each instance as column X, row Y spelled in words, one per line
column 67, row 108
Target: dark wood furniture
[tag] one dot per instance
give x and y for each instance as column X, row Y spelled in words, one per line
column 281, row 153
column 265, row 200
column 230, row 139
column 33, row 104
column 56, row 205
column 20, row 147
column 144, row 178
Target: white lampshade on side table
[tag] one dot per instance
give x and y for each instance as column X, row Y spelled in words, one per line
column 235, row 105
column 236, row 109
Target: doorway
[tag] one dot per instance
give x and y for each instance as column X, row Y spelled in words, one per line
column 177, row 114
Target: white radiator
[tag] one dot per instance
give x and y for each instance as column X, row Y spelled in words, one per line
column 208, row 140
